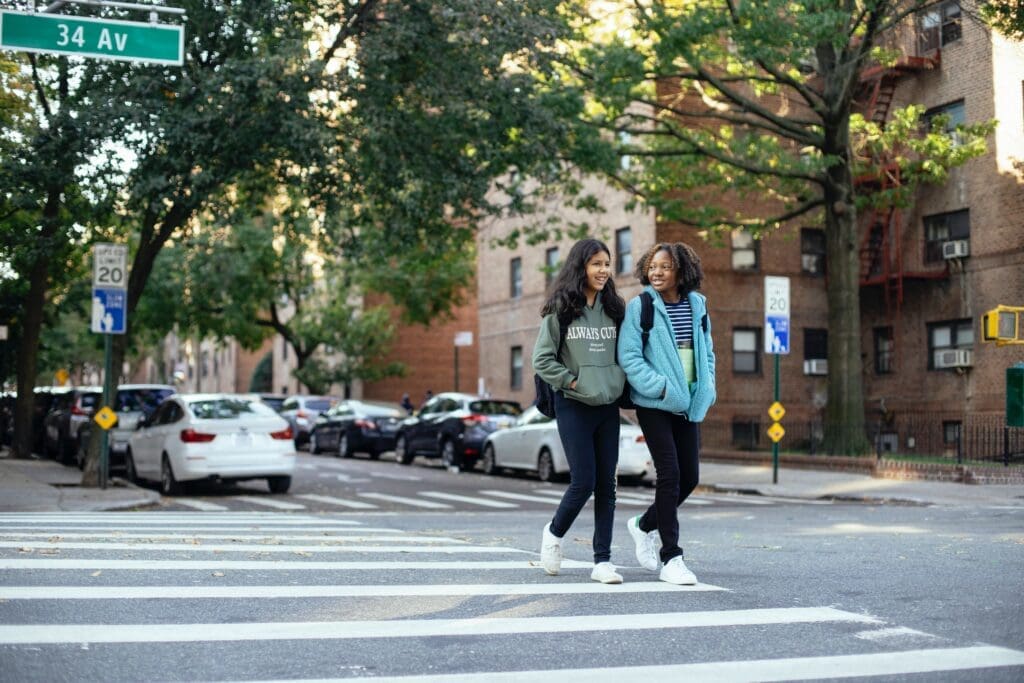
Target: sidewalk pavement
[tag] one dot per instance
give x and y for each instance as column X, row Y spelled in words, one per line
column 46, row 485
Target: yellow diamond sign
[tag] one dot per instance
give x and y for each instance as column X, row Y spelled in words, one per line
column 61, row 376
column 105, row 417
column 776, row 411
column 776, row 432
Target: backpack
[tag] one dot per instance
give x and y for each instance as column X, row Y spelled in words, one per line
column 545, row 400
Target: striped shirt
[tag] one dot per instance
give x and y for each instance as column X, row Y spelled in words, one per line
column 682, row 322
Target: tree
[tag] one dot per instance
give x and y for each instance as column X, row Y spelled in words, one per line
column 1006, row 16
column 730, row 102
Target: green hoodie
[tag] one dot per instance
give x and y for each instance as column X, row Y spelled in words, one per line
column 588, row 356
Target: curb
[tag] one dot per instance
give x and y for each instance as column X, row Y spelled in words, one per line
column 868, row 500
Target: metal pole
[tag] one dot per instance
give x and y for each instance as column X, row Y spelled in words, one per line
column 775, row 444
column 456, row 368
column 107, row 391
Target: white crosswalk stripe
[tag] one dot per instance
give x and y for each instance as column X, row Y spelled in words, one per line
column 270, row 502
column 200, row 504
column 130, row 601
column 343, row 502
column 468, row 499
column 407, row 501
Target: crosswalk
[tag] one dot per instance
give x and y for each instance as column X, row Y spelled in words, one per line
column 482, row 499
column 260, row 596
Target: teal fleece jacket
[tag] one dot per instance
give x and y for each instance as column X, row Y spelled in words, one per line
column 657, row 369
column 588, row 357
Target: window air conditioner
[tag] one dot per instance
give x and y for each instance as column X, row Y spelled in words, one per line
column 955, row 249
column 954, row 358
column 816, row 366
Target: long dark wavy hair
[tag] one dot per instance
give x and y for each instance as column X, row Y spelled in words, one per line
column 685, row 260
column 567, row 295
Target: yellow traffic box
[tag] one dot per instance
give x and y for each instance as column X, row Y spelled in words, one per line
column 105, row 417
column 61, row 376
column 776, row 411
column 776, row 432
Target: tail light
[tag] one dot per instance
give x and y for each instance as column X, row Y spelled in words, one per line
column 283, row 435
column 474, row 420
column 641, row 439
column 192, row 436
column 75, row 410
column 365, row 424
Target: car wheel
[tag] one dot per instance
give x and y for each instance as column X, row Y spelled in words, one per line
column 546, row 466
column 169, row 486
column 403, row 456
column 343, row 447
column 129, row 465
column 279, row 484
column 448, row 454
column 489, row 463
column 314, row 447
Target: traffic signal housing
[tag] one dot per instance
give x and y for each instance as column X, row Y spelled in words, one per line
column 1003, row 325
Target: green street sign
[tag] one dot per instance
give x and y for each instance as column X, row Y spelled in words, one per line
column 128, row 41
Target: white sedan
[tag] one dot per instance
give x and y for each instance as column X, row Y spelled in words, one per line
column 532, row 443
column 224, row 437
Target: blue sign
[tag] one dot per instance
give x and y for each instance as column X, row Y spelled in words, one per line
column 108, row 310
column 776, row 334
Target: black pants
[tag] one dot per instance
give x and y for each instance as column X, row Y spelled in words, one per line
column 674, row 443
column 590, row 437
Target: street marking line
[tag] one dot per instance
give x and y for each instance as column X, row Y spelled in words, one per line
column 407, row 501
column 199, row 504
column 411, row 628
column 346, row 591
column 396, row 477
column 118, row 536
column 698, row 501
column 743, row 671
column 269, row 502
column 262, row 548
column 736, row 499
column 355, row 504
column 58, row 530
column 275, row 565
column 520, row 496
column 189, row 518
column 468, row 499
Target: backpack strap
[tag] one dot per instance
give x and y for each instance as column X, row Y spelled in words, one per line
column 563, row 331
column 646, row 317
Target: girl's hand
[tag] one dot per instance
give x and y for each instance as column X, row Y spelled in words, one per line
column 573, row 385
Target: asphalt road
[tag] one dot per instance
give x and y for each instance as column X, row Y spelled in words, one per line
column 788, row 590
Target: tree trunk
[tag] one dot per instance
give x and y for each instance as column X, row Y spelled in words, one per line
column 844, row 414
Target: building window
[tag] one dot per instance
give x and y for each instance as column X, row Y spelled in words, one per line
column 884, row 348
column 951, row 334
column 746, row 343
column 943, row 227
column 812, row 251
column 815, row 344
column 955, row 115
column 284, row 350
column 951, row 432
column 940, row 25
column 623, row 251
column 745, row 432
column 516, row 277
column 516, row 368
column 745, row 251
column 550, row 265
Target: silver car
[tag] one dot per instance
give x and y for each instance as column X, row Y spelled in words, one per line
column 132, row 403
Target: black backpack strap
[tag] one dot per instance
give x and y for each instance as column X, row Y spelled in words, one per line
column 646, row 317
column 563, row 331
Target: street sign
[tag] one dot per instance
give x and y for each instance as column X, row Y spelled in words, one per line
column 110, row 266
column 61, row 376
column 776, row 314
column 108, row 310
column 105, row 417
column 776, row 432
column 126, row 41
column 776, row 411
column 463, row 338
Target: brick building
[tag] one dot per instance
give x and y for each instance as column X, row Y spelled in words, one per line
column 957, row 252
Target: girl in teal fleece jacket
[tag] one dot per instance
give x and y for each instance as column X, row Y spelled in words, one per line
column 672, row 382
column 588, row 383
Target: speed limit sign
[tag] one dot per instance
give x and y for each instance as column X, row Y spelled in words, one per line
column 110, row 266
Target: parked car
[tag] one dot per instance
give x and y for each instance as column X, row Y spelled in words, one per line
column 132, row 403
column 453, row 427
column 301, row 412
column 275, row 401
column 69, row 412
column 7, row 400
column 220, row 437
column 533, row 444
column 357, row 427
column 43, row 400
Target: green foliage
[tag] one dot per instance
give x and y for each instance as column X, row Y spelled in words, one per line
column 1006, row 16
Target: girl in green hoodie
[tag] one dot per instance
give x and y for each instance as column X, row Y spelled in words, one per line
column 588, row 382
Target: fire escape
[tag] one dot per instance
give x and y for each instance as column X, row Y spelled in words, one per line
column 881, row 250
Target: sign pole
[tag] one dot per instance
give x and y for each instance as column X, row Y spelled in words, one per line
column 109, row 317
column 775, row 444
column 107, row 391
column 776, row 342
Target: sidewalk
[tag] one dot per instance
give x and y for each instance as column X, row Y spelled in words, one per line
column 45, row 485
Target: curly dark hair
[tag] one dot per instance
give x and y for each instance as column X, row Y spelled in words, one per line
column 685, row 260
column 567, row 296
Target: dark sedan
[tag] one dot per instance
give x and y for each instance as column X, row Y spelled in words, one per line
column 453, row 427
column 357, row 427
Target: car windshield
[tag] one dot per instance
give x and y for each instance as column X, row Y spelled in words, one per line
column 495, row 407
column 379, row 410
column 226, row 408
column 145, row 400
column 320, row 405
column 91, row 400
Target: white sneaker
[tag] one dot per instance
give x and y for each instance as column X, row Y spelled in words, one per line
column 646, row 550
column 675, row 571
column 605, row 573
column 550, row 551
